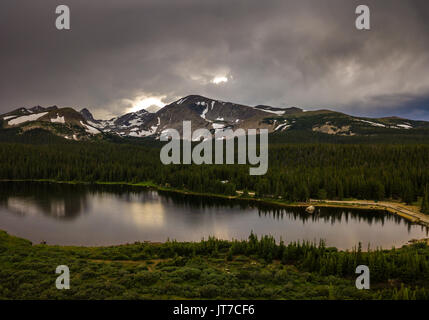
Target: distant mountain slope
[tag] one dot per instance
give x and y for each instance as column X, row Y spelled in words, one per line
column 279, row 111
column 336, row 123
column 63, row 122
column 134, row 124
column 206, row 113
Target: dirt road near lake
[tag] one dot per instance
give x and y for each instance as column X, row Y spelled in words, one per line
column 408, row 212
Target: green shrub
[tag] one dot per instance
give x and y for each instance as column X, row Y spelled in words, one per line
column 209, row 291
column 146, row 278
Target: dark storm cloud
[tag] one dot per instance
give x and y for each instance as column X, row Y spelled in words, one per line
column 283, row 53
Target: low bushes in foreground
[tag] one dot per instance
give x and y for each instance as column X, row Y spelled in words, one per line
column 211, row 269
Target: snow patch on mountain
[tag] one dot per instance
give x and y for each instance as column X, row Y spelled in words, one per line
column 58, row 119
column 282, row 126
column 181, row 100
column 203, row 115
column 22, row 119
column 141, row 133
column 89, row 129
column 93, row 124
column 218, row 125
column 280, row 113
column 134, row 122
column 374, row 124
column 405, row 126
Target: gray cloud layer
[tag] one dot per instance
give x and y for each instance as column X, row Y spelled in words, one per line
column 278, row 52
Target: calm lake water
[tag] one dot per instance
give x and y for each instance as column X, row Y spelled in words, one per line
column 106, row 215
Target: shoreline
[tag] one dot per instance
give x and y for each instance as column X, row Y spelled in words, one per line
column 396, row 208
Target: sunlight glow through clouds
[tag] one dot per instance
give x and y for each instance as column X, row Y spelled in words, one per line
column 219, row 80
column 144, row 102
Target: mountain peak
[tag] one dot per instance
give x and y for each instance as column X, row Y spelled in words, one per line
column 203, row 112
column 197, row 99
column 87, row 115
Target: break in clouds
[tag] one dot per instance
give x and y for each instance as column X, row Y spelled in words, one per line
column 119, row 54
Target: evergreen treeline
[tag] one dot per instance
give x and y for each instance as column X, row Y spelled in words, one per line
column 425, row 201
column 253, row 268
column 408, row 265
column 296, row 172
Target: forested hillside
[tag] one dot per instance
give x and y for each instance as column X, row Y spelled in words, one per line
column 296, row 172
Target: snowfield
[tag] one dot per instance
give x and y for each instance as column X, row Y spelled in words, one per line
column 374, row 124
column 90, row 129
column 22, row 119
column 280, row 113
column 405, row 126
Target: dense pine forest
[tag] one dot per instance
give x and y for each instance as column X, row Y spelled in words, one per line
column 296, row 172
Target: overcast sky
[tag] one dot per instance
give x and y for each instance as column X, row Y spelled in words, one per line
column 121, row 55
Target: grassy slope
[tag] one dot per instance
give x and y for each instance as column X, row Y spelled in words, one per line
column 167, row 271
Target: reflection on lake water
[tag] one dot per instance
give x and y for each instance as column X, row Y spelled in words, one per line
column 105, row 215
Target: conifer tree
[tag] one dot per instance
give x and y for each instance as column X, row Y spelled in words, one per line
column 425, row 201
